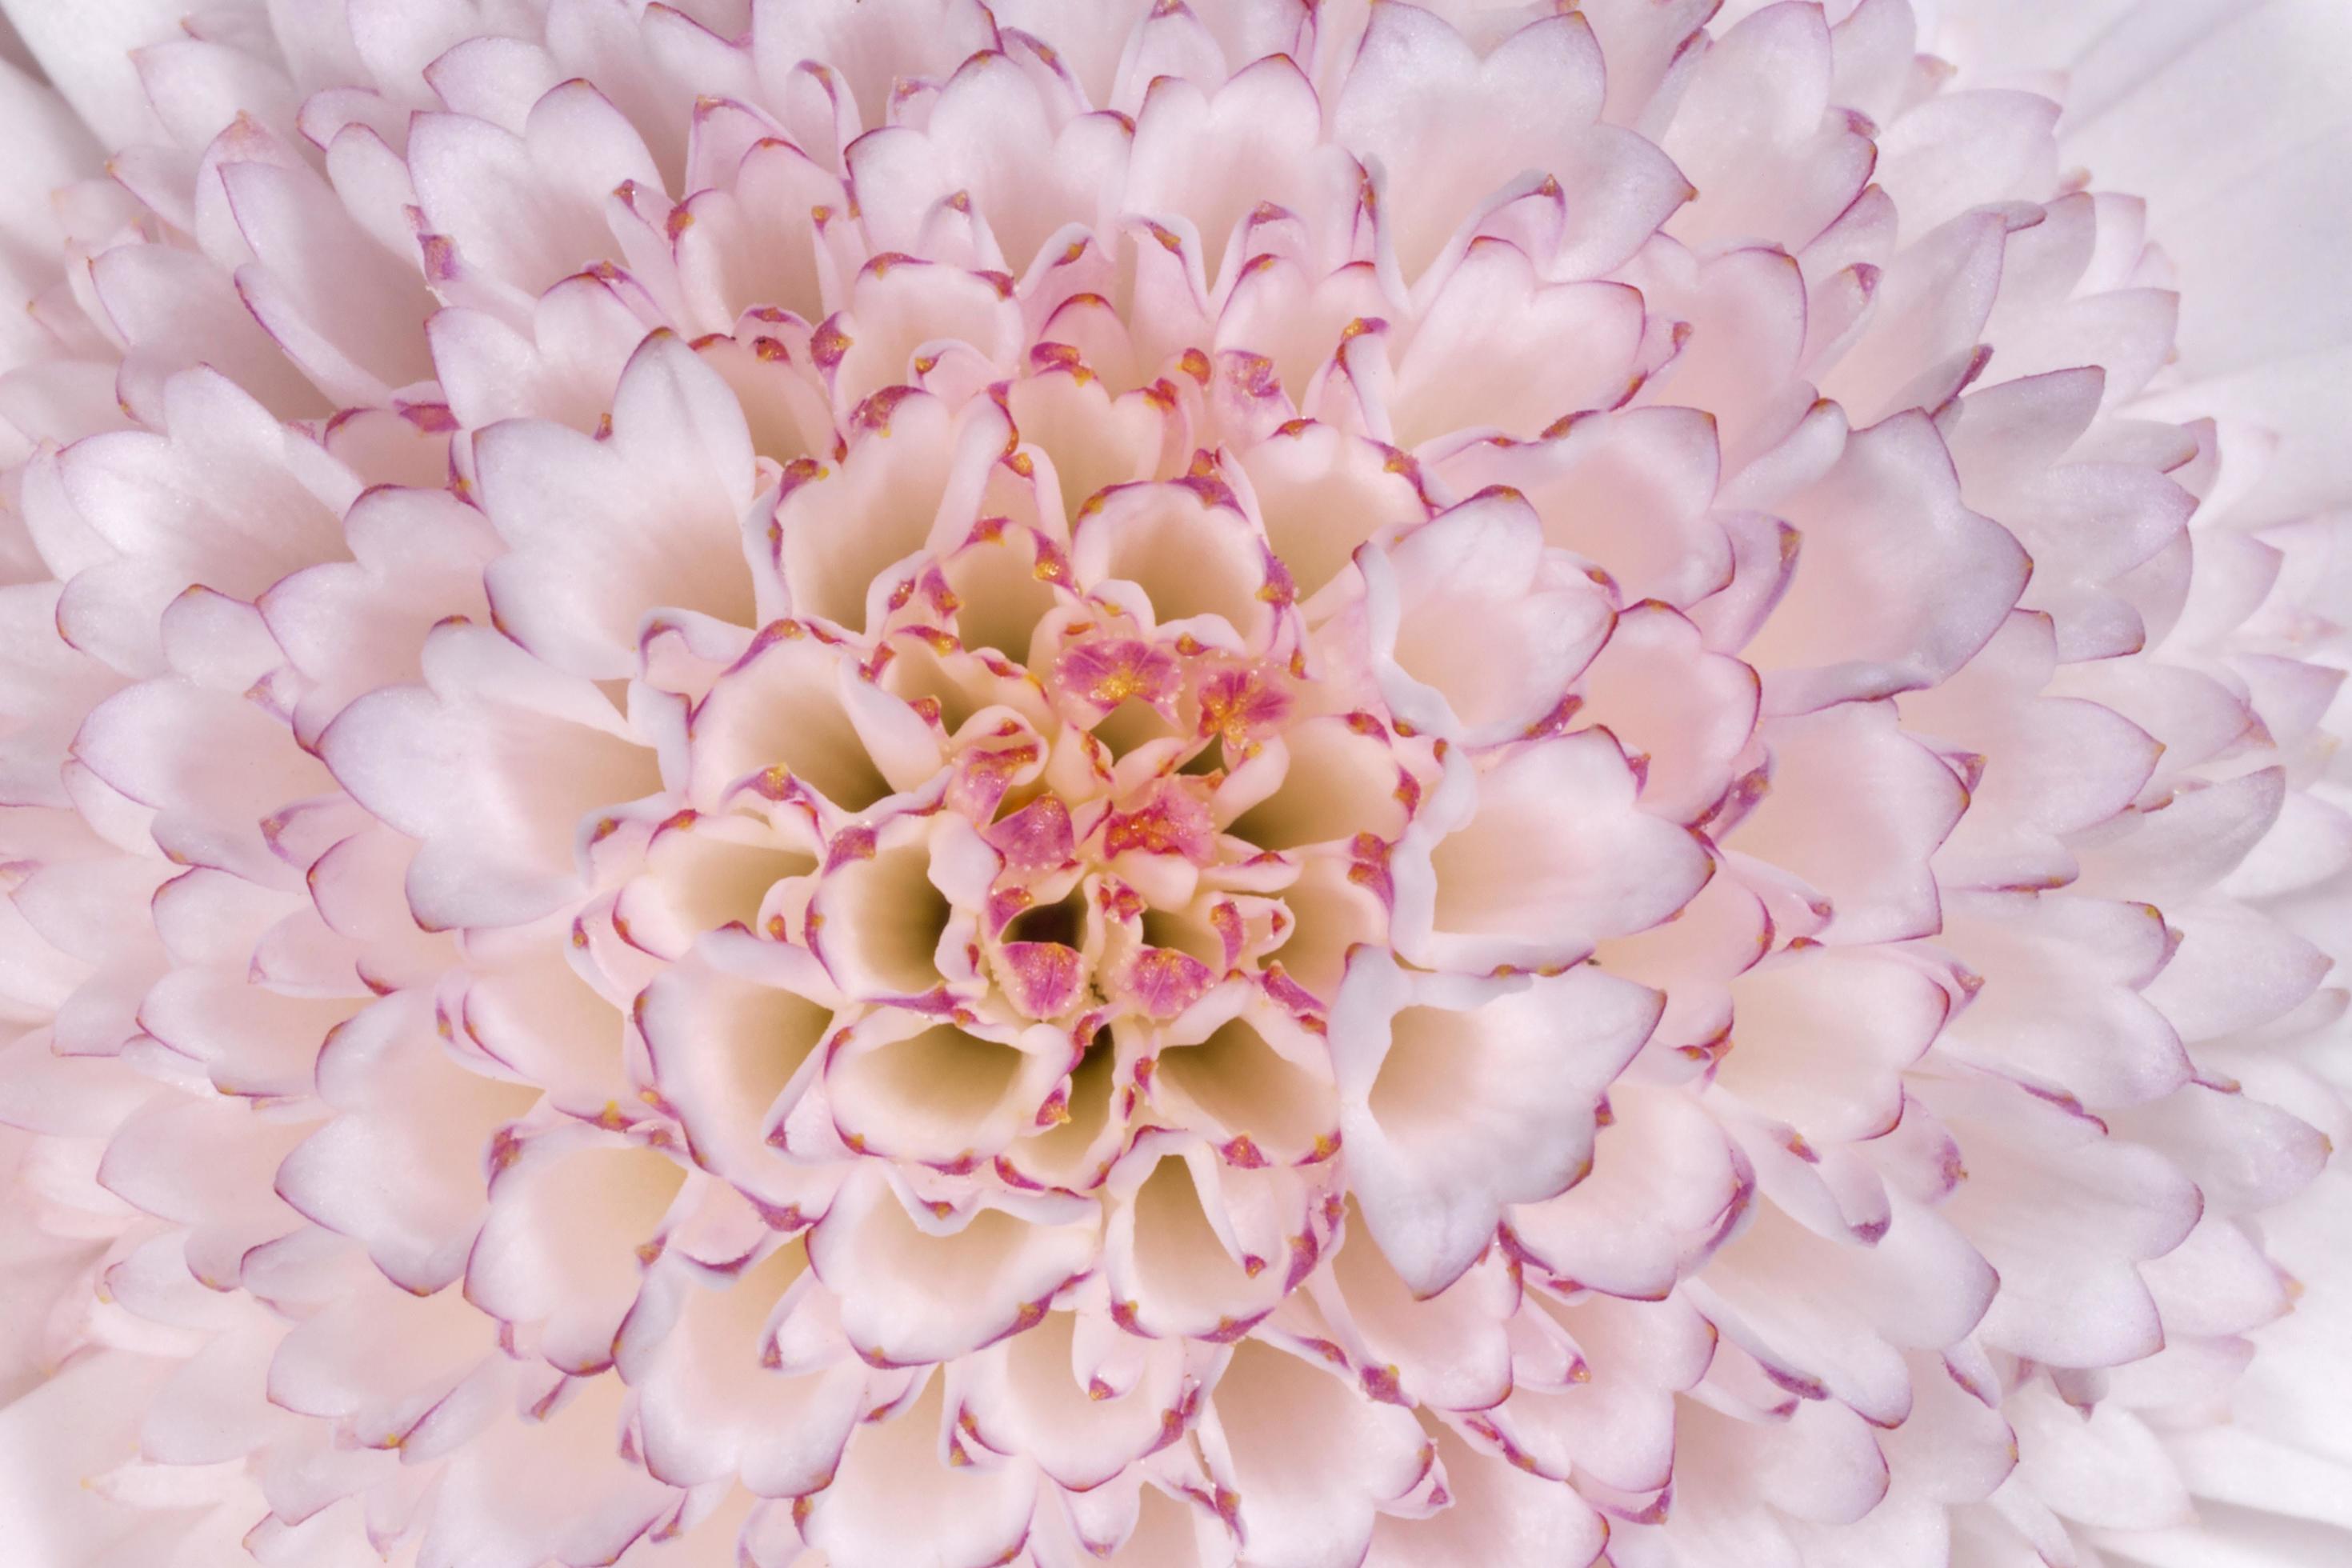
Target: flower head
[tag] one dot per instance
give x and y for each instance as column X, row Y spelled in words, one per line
column 859, row 783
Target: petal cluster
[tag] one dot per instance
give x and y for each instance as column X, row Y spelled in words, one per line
column 839, row 784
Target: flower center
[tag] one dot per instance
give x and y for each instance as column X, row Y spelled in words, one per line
column 1119, row 796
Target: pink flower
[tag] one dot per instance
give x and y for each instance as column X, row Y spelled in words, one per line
column 904, row 783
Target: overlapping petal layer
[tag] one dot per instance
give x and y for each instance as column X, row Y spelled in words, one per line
column 861, row 783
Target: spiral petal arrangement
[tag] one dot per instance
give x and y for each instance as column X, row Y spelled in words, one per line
column 1309, row 783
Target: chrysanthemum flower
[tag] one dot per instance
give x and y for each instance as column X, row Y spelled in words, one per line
column 911, row 783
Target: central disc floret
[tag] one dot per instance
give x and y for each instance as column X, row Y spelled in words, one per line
column 1090, row 826
column 1090, row 808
